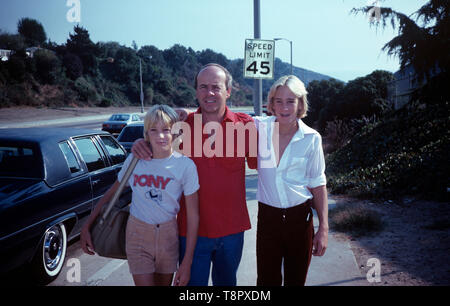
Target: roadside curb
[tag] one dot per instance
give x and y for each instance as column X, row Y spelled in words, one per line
column 53, row 121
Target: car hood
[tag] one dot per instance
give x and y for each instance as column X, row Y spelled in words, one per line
column 13, row 190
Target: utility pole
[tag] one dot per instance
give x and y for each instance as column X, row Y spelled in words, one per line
column 257, row 83
column 142, row 90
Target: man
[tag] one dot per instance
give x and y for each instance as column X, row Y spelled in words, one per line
column 222, row 203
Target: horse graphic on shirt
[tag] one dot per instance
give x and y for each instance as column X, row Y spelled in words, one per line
column 154, row 195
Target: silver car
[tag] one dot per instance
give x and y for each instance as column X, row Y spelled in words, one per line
column 117, row 122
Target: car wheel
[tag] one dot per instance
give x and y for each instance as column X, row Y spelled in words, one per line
column 49, row 259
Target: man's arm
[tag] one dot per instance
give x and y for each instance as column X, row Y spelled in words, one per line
column 141, row 148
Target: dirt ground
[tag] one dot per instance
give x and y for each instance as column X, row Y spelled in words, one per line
column 413, row 247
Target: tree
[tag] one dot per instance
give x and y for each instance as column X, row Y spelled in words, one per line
column 48, row 66
column 12, row 42
column 425, row 46
column 209, row 56
column 73, row 65
column 81, row 44
column 32, row 30
column 322, row 94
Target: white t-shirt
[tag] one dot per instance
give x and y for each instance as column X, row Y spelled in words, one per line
column 302, row 165
column 157, row 186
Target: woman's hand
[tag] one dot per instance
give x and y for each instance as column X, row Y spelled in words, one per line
column 320, row 242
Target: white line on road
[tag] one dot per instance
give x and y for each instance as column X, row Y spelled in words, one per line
column 105, row 272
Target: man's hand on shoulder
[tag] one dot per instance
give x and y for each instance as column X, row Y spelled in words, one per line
column 141, row 149
column 183, row 113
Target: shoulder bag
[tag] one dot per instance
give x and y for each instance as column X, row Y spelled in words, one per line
column 109, row 228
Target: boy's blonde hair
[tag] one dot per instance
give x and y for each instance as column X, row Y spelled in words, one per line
column 159, row 113
column 298, row 89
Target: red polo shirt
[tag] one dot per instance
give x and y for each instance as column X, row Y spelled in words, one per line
column 222, row 201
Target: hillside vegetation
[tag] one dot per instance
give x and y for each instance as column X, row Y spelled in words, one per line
column 83, row 73
column 405, row 153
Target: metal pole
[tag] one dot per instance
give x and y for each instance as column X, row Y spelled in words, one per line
column 292, row 71
column 257, row 83
column 142, row 91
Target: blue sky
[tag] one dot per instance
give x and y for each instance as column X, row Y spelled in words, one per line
column 326, row 37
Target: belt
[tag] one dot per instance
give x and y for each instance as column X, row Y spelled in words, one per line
column 306, row 206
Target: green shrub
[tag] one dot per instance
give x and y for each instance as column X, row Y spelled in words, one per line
column 355, row 219
column 405, row 153
column 86, row 91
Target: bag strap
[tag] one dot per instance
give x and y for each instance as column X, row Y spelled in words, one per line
column 119, row 190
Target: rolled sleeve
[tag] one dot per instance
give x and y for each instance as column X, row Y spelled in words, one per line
column 318, row 181
column 316, row 168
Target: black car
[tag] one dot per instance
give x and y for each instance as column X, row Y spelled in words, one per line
column 50, row 180
column 129, row 134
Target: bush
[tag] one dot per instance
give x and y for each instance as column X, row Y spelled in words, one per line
column 404, row 154
column 86, row 91
column 355, row 219
column 73, row 65
column 337, row 134
column 48, row 66
column 16, row 68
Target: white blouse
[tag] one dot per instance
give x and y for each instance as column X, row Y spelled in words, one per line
column 302, row 165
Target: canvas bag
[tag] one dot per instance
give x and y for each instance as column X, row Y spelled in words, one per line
column 109, row 228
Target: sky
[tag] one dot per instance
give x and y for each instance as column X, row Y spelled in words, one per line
column 326, row 38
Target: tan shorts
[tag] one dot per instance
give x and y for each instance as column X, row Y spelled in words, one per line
column 152, row 247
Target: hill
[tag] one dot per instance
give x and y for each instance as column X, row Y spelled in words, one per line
column 83, row 73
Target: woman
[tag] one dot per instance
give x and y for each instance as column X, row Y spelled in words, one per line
column 291, row 180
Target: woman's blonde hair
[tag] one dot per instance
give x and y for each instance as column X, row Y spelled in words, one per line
column 298, row 89
column 159, row 113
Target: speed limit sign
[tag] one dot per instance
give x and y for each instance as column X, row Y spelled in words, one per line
column 259, row 58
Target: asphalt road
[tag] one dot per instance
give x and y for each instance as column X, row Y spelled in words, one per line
column 95, row 125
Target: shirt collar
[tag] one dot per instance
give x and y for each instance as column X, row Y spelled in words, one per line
column 302, row 129
column 229, row 115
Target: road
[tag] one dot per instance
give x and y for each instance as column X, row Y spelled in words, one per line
column 95, row 125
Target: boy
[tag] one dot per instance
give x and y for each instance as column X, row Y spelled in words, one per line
column 152, row 233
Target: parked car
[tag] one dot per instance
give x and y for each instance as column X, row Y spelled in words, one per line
column 129, row 134
column 50, row 180
column 117, row 122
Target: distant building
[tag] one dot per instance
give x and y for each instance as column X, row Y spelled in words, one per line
column 404, row 84
column 30, row 51
column 5, row 54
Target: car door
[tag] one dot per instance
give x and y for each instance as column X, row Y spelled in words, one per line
column 117, row 155
column 101, row 173
column 76, row 192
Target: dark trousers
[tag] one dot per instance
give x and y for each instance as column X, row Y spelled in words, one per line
column 284, row 234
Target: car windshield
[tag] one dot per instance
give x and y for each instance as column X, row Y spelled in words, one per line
column 131, row 133
column 119, row 117
column 20, row 161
